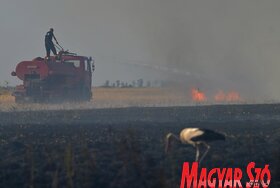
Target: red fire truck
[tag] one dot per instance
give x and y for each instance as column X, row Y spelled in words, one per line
column 65, row 77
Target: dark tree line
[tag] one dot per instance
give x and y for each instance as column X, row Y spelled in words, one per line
column 133, row 84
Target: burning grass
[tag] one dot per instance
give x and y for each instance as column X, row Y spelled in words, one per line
column 131, row 97
column 198, row 96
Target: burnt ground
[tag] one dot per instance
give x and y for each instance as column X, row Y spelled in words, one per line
column 125, row 147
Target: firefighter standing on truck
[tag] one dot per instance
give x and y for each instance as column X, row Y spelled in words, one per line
column 49, row 43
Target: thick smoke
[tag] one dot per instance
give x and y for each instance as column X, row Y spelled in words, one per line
column 214, row 45
column 223, row 45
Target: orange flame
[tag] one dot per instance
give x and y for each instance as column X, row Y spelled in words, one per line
column 198, row 96
column 232, row 96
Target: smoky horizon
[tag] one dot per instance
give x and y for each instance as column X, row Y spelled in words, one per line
column 216, row 46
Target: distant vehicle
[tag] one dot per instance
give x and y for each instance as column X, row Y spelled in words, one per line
column 65, row 77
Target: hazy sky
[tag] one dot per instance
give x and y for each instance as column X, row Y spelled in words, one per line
column 211, row 44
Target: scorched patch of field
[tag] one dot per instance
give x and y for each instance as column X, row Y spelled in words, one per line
column 124, row 147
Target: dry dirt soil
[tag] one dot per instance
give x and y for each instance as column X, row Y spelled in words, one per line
column 124, row 147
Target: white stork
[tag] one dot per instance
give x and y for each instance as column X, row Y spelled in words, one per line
column 195, row 137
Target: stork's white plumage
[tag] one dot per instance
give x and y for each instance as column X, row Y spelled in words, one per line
column 195, row 137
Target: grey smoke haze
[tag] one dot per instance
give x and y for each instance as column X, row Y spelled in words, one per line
column 210, row 44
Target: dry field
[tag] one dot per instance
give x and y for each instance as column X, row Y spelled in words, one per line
column 6, row 98
column 127, row 97
column 110, row 98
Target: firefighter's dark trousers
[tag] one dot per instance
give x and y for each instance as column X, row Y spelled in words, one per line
column 50, row 47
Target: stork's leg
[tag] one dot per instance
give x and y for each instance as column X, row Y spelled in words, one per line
column 205, row 153
column 197, row 152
